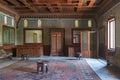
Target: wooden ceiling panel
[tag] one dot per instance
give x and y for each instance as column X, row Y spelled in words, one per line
column 74, row 7
column 14, row 2
column 68, row 9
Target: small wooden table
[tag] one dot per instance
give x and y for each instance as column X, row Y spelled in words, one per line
column 43, row 64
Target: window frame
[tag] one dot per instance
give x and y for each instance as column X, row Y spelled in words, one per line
column 30, row 29
column 8, row 28
column 110, row 43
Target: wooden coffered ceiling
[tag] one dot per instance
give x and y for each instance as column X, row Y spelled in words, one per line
column 57, row 8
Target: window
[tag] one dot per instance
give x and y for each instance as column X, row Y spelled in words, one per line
column 39, row 23
column 12, row 21
column 89, row 23
column 111, row 34
column 75, row 38
column 25, row 23
column 33, row 35
column 8, row 35
column 5, row 19
column 76, row 23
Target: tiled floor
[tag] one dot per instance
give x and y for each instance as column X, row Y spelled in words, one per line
column 98, row 65
column 103, row 71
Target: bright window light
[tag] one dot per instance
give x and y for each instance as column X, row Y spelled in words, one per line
column 39, row 23
column 111, row 33
column 89, row 23
column 5, row 19
column 76, row 23
column 25, row 23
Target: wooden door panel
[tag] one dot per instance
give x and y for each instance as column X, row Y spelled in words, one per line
column 53, row 43
column 59, row 43
column 85, row 44
column 56, row 43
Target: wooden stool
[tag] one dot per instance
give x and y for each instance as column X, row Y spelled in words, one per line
column 43, row 65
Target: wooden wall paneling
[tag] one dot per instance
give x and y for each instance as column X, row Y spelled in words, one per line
column 93, row 53
column 71, row 51
column 86, row 53
column 32, row 51
column 47, row 50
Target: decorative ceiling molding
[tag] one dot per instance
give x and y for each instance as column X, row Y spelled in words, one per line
column 57, row 15
column 56, row 8
column 14, row 2
column 28, row 4
column 92, row 2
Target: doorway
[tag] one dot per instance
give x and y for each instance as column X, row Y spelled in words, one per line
column 81, row 41
column 85, row 44
column 57, row 41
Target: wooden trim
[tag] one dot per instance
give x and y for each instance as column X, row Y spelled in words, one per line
column 32, row 50
column 82, row 29
column 86, row 53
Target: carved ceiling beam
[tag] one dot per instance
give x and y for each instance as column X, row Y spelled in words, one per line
column 49, row 1
column 88, row 8
column 59, row 7
column 80, row 4
column 69, row 1
column 24, row 10
column 50, row 8
column 57, row 15
column 3, row 2
column 7, row 9
column 92, row 2
column 25, row 2
column 14, row 2
column 36, row 1
column 21, row 7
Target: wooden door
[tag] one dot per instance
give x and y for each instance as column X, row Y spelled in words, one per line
column 56, row 43
column 85, row 43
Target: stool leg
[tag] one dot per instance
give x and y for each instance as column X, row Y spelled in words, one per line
column 26, row 57
column 42, row 68
column 22, row 57
column 38, row 68
column 46, row 69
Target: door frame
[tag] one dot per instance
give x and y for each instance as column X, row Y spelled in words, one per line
column 63, row 34
column 78, row 29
